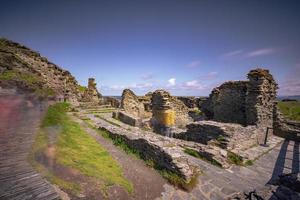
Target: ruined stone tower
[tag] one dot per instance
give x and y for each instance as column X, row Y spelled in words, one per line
column 163, row 118
column 91, row 94
column 260, row 98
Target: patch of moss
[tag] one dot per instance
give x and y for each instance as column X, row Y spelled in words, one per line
column 82, row 88
column 31, row 80
column 196, row 154
column 249, row 163
column 234, row 158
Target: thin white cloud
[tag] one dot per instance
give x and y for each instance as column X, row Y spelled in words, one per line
column 172, row 82
column 192, row 85
column 249, row 54
column 261, row 52
column 232, row 53
column 194, row 64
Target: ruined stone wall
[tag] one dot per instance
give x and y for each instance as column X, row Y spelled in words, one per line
column 91, row 94
column 244, row 102
column 130, row 104
column 229, row 136
column 181, row 110
column 228, row 102
column 113, row 102
column 261, row 97
column 190, row 102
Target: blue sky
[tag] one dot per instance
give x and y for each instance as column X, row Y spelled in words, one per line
column 185, row 46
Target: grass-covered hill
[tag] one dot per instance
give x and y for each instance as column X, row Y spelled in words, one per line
column 290, row 109
column 25, row 69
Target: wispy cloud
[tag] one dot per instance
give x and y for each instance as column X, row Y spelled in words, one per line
column 192, row 85
column 248, row 54
column 261, row 52
column 232, row 53
column 194, row 64
column 172, row 82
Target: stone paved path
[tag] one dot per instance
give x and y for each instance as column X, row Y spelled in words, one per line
column 216, row 183
column 19, row 121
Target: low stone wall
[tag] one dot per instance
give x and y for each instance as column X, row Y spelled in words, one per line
column 225, row 135
column 127, row 118
column 156, row 148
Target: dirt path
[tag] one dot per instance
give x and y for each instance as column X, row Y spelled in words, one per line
column 19, row 122
column 148, row 183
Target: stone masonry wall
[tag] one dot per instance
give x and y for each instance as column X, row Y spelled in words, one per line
column 230, row 136
column 244, row 102
column 261, row 97
column 91, row 94
column 130, row 104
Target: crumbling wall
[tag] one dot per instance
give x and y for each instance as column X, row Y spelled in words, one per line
column 229, row 136
column 113, row 102
column 91, row 94
column 130, row 104
column 244, row 102
column 181, row 110
column 190, row 102
column 261, row 97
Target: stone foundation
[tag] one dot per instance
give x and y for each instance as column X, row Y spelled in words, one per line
column 127, row 118
column 233, row 137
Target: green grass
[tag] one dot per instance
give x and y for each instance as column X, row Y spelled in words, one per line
column 170, row 176
column 78, row 150
column 290, row 109
column 31, row 80
column 196, row 154
column 249, row 163
column 234, row 158
column 82, row 88
column 40, row 144
column 111, row 122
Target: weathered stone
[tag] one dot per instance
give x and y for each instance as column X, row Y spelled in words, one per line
column 49, row 79
column 162, row 100
column 113, row 102
column 225, row 135
column 130, row 104
column 91, row 94
column 127, row 118
column 244, row 102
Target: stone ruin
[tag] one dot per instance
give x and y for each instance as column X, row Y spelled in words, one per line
column 163, row 116
column 237, row 113
column 91, row 94
column 244, row 102
column 138, row 110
